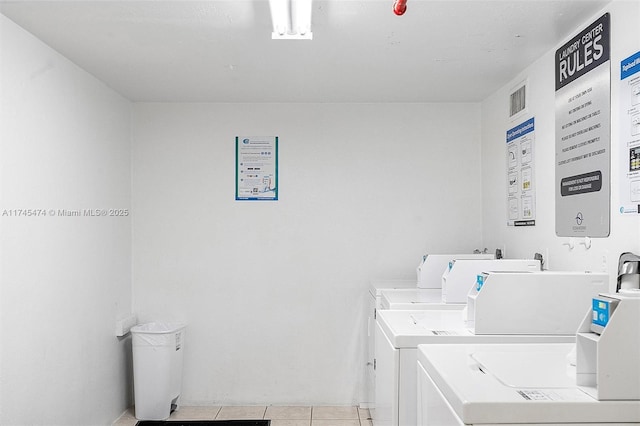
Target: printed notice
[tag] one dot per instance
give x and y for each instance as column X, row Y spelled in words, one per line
column 520, row 179
column 256, row 168
column 630, row 135
column 583, row 122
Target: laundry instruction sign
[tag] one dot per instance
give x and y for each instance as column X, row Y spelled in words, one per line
column 521, row 200
column 256, row 168
column 583, row 123
column 630, row 135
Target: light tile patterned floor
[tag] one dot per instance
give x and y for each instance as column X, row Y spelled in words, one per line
column 279, row 415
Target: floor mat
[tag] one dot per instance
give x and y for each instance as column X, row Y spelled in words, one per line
column 203, row 423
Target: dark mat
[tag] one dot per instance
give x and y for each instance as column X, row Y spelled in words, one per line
column 203, row 423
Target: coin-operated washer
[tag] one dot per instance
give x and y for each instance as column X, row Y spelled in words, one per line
column 430, row 269
column 399, row 332
column 494, row 303
column 374, row 303
column 461, row 274
column 425, row 289
column 542, row 384
column 429, row 283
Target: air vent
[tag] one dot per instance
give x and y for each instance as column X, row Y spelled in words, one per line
column 518, row 100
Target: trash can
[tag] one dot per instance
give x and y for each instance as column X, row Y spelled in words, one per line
column 157, row 368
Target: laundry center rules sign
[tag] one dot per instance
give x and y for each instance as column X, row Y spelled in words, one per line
column 583, row 141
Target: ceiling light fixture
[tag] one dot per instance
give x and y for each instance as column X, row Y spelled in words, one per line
column 291, row 19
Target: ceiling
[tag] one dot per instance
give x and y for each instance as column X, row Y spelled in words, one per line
column 222, row 51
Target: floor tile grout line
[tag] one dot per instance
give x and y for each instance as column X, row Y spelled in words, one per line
column 310, row 421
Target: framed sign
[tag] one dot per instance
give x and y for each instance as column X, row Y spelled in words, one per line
column 521, row 191
column 583, row 136
column 256, row 168
column 630, row 135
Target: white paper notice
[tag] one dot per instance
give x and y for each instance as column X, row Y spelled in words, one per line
column 256, row 168
column 630, row 135
column 520, row 176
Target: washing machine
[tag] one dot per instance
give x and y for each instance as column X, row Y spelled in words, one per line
column 461, row 274
column 509, row 385
column 595, row 381
column 374, row 303
column 426, row 288
column 399, row 332
column 429, row 271
column 456, row 279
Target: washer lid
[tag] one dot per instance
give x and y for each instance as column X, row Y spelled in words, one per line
column 536, row 369
column 479, row 397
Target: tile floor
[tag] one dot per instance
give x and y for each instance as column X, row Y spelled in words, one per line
column 280, row 416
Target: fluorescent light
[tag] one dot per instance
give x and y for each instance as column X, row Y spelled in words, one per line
column 291, row 19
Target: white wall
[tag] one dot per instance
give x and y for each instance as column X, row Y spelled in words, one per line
column 523, row 241
column 65, row 144
column 274, row 292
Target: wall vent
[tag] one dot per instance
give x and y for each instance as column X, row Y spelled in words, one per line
column 518, row 100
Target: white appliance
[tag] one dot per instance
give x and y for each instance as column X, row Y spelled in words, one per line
column 398, row 333
column 425, row 293
column 430, row 269
column 545, row 293
column 595, row 382
column 374, row 302
column 461, row 274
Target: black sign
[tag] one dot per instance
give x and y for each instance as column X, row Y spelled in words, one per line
column 580, row 184
column 584, row 52
column 524, row 223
